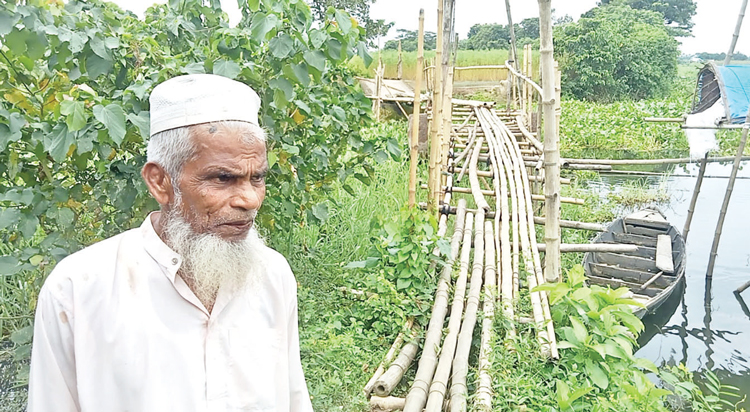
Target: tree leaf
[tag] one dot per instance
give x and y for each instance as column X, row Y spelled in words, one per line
column 113, row 118
column 301, row 73
column 363, row 54
column 97, row 46
column 261, row 24
column 142, row 121
column 194, row 68
column 96, row 66
column 320, row 211
column 7, row 136
column 227, row 68
column 253, row 5
column 75, row 113
column 317, row 38
column 344, row 21
column 57, row 142
column 597, row 374
column 8, row 217
column 28, row 226
column 334, row 48
column 9, row 265
column 281, row 45
column 316, row 59
column 23, row 335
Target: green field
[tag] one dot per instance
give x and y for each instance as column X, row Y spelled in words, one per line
column 464, row 58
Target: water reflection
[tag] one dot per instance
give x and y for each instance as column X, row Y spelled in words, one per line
column 704, row 324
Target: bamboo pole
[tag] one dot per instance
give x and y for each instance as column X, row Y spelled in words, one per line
column 414, row 150
column 483, row 398
column 388, row 404
column 388, row 358
column 532, row 262
column 736, row 34
column 502, row 228
column 694, row 199
column 476, row 190
column 727, row 196
column 417, row 396
column 378, row 87
column 617, row 162
column 439, row 383
column 536, row 198
column 742, row 288
column 400, row 64
column 551, row 153
column 458, row 389
column 390, row 379
column 592, row 247
column 505, row 162
column 536, row 306
column 465, row 167
column 437, row 114
column 513, row 49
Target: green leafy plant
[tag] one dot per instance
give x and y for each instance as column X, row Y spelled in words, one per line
column 400, row 263
column 75, row 78
column 714, row 398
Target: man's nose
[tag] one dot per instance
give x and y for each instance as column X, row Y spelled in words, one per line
column 248, row 197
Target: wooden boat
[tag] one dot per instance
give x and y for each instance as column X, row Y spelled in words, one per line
column 653, row 271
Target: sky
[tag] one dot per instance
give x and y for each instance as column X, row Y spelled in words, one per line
column 714, row 21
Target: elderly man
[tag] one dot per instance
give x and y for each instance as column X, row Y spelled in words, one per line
column 191, row 311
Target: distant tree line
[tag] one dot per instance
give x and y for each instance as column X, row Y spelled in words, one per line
column 720, row 56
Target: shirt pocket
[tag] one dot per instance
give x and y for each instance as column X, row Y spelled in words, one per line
column 254, row 356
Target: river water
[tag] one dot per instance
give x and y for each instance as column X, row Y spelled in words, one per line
column 707, row 326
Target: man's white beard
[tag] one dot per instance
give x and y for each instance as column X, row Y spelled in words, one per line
column 209, row 261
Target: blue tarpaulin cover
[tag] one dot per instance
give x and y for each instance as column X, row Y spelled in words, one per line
column 736, row 90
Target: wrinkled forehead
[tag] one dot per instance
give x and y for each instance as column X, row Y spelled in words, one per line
column 227, row 145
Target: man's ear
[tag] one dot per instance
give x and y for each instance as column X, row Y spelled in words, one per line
column 159, row 183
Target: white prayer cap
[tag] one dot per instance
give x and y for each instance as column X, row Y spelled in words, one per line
column 201, row 98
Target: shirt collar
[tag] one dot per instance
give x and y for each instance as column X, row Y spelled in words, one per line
column 159, row 251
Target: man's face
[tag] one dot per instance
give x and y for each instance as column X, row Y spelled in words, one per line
column 223, row 185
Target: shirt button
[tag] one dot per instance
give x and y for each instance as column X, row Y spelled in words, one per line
column 174, row 261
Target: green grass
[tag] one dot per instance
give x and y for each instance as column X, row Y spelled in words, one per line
column 339, row 354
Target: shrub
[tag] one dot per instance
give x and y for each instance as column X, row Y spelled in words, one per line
column 616, row 52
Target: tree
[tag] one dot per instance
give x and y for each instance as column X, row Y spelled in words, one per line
column 487, row 37
column 359, row 9
column 528, row 28
column 678, row 14
column 409, row 40
column 76, row 76
column 616, row 52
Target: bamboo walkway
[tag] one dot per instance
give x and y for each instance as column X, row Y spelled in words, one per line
column 491, row 180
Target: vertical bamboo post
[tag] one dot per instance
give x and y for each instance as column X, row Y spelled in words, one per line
column 399, row 67
column 447, row 114
column 736, row 34
column 437, row 115
column 513, row 50
column 551, row 153
column 414, row 149
column 558, row 99
column 727, row 196
column 696, row 191
column 378, row 86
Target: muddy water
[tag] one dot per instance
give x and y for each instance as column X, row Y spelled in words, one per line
column 706, row 326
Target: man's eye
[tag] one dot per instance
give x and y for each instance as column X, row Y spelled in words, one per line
column 224, row 177
column 259, row 179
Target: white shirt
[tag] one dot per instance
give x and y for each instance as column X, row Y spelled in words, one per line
column 117, row 330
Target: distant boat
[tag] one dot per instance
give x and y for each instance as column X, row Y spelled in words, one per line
column 653, row 271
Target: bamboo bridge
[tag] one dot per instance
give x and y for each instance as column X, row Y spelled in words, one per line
column 485, row 181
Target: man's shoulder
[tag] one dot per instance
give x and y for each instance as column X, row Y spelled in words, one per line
column 94, row 260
